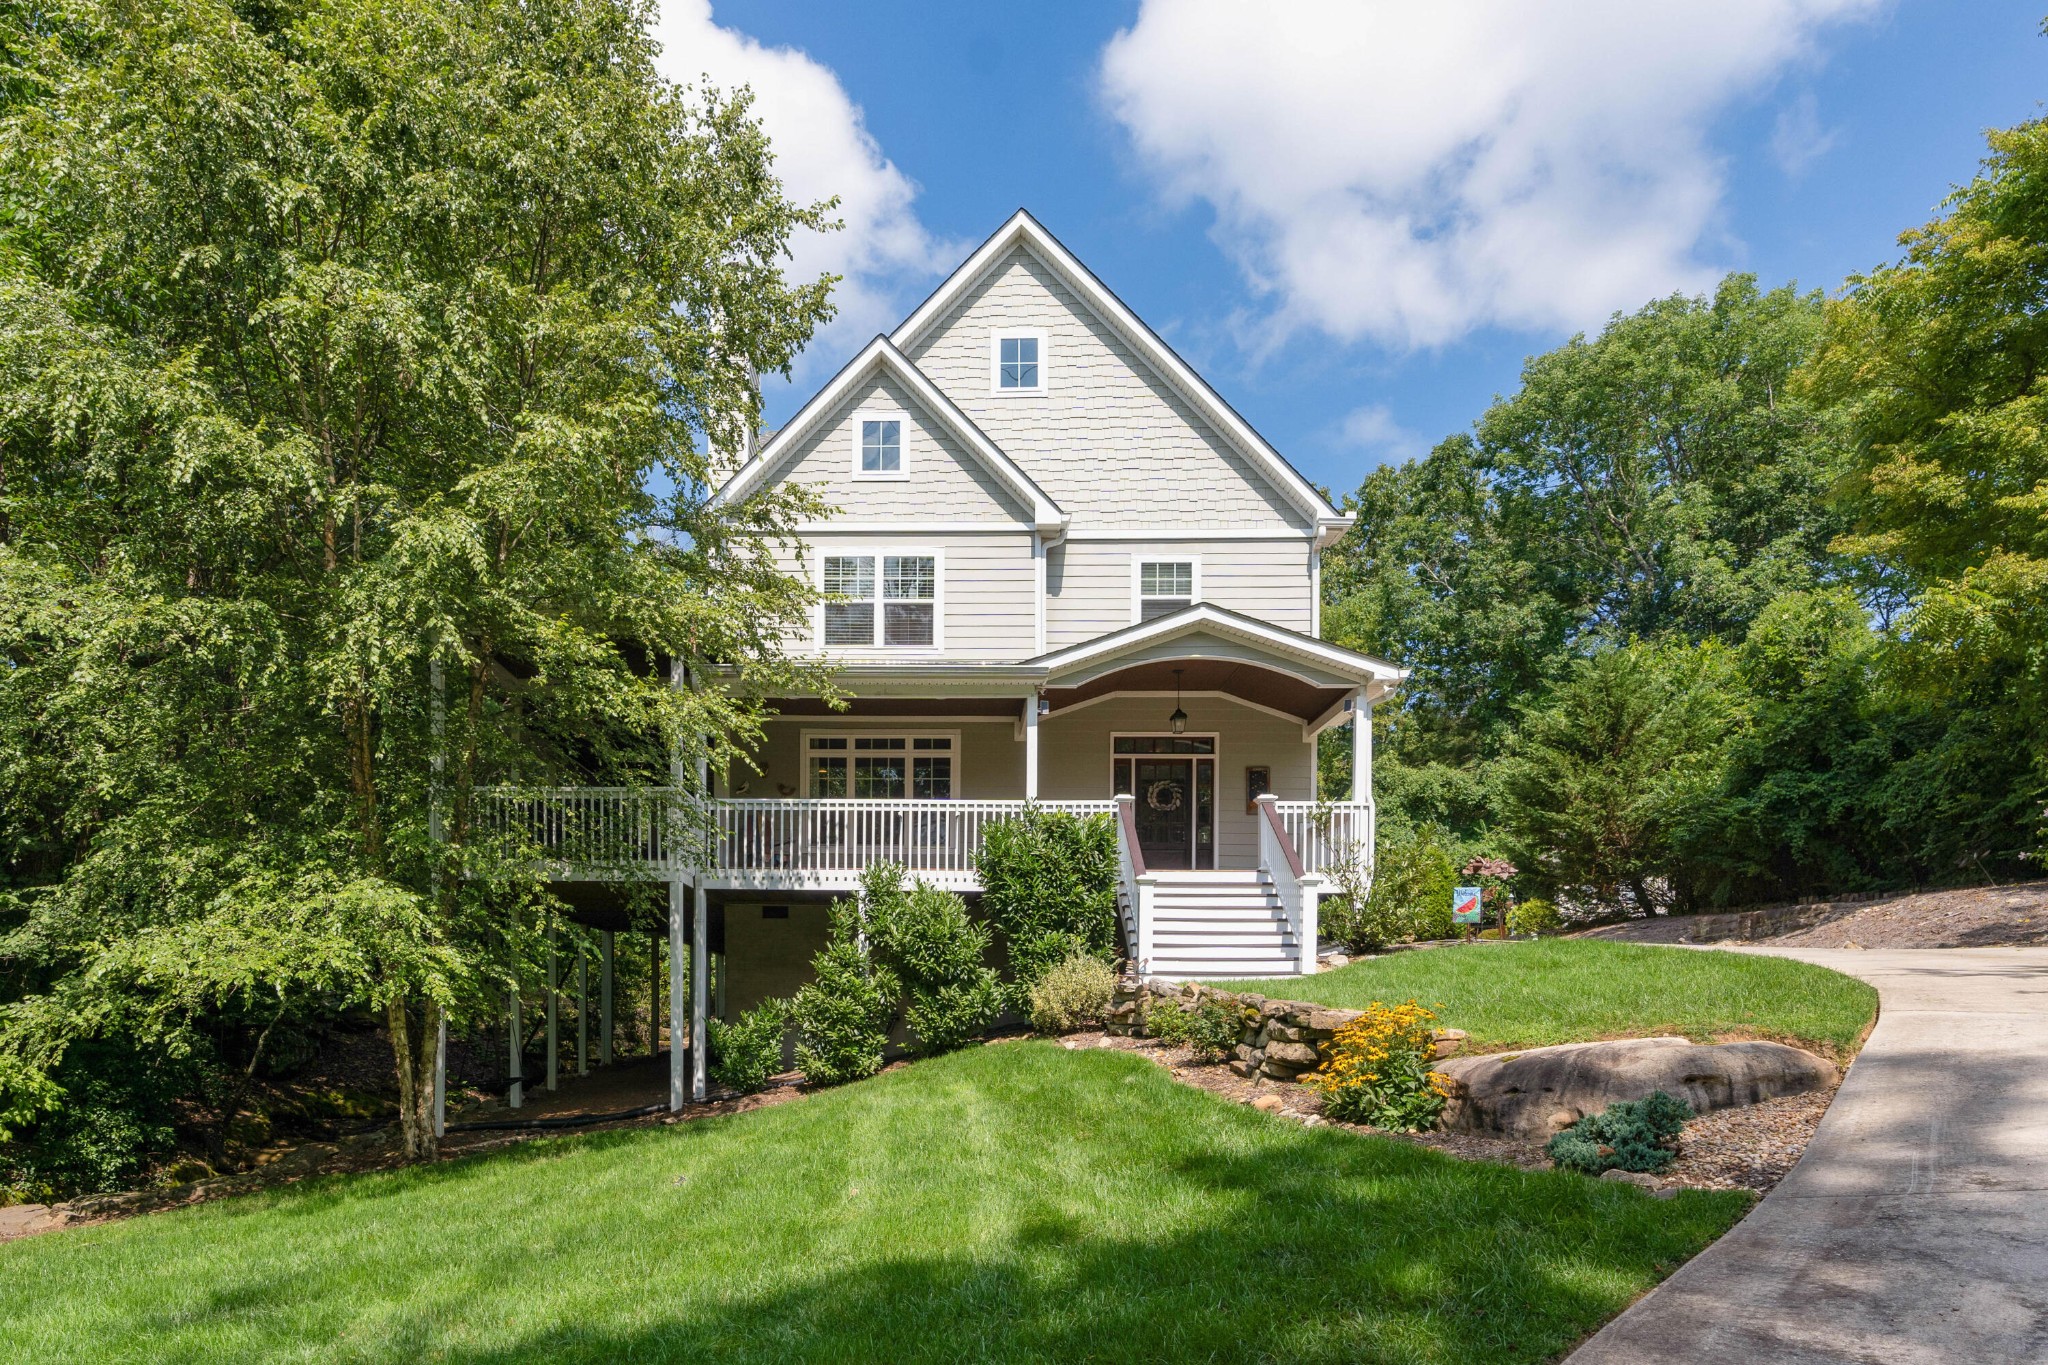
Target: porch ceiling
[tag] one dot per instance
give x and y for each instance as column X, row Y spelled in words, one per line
column 1261, row 686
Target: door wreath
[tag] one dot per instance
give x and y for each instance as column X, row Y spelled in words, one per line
column 1164, row 795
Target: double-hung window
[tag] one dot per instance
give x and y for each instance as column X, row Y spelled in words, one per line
column 1165, row 586
column 882, row 767
column 881, row 600
column 878, row 447
column 1017, row 362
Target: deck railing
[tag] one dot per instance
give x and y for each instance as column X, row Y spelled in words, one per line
column 591, row 831
column 1329, row 834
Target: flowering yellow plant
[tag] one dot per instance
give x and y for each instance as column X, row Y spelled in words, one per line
column 1378, row 1069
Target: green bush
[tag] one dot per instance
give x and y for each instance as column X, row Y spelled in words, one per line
column 1048, row 883
column 747, row 1051
column 116, row 1116
column 842, row 1016
column 937, row 955
column 1210, row 1030
column 1410, row 898
column 1071, row 993
column 1534, row 916
column 1632, row 1135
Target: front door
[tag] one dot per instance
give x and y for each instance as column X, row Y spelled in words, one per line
column 1174, row 781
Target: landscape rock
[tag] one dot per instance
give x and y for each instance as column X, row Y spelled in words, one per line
column 1450, row 1041
column 1642, row 1179
column 1524, row 1093
column 1268, row 1103
column 1300, row 1056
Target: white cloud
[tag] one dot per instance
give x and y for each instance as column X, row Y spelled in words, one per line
column 1375, row 430
column 822, row 148
column 1797, row 138
column 1410, row 172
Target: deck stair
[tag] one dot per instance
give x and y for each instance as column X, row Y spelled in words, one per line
column 1220, row 925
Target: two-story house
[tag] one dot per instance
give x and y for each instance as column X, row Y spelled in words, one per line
column 1062, row 570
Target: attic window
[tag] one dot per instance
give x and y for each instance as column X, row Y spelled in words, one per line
column 878, row 447
column 1165, row 586
column 1017, row 361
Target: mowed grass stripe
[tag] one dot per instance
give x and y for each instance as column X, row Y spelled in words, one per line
column 1531, row 994
column 1013, row 1202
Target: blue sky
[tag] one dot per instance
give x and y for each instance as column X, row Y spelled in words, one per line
column 1358, row 224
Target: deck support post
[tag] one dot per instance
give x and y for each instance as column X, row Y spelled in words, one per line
column 582, row 1010
column 654, row 988
column 604, row 991
column 676, row 1019
column 700, row 974
column 515, row 1093
column 554, row 1010
column 1031, row 747
column 441, row 1078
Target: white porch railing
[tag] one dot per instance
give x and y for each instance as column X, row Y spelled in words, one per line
column 1135, row 886
column 1330, row 834
column 1300, row 888
column 593, row 832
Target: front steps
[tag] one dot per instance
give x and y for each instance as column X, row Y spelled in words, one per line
column 1220, row 926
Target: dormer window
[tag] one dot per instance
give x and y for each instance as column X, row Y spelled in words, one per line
column 1165, row 586
column 878, row 446
column 1017, row 361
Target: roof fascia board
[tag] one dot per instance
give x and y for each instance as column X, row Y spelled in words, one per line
column 1023, row 229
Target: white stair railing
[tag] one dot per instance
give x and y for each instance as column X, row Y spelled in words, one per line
column 1136, row 886
column 1330, row 834
column 1300, row 888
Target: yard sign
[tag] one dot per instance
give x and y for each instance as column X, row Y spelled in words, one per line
column 1465, row 905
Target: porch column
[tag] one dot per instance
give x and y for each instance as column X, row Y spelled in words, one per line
column 700, row 981
column 1361, row 748
column 604, row 990
column 676, row 1018
column 1031, row 748
column 515, row 1094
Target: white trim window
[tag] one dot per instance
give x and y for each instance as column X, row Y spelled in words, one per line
column 893, row 767
column 1017, row 361
column 881, row 447
column 1160, row 587
column 884, row 601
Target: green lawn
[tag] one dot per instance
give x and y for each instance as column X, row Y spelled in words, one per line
column 1572, row 990
column 1014, row 1202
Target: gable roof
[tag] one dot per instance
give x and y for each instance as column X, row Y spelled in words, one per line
column 881, row 355
column 1208, row 618
column 1025, row 231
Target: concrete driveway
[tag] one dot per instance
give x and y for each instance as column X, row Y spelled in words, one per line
column 1915, row 1229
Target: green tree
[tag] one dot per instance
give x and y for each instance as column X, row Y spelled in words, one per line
column 1939, row 363
column 1602, row 772
column 346, row 348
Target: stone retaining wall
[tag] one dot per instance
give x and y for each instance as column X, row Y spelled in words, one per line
column 1278, row 1039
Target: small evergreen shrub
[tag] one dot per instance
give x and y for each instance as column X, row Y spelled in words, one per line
column 1071, row 993
column 1379, row 1070
column 1630, row 1135
column 925, row 939
column 1534, row 916
column 747, row 1051
column 842, row 1015
column 1048, row 883
column 1210, row 1030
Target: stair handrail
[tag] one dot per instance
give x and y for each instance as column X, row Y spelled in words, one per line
column 1137, row 883
column 1300, row 890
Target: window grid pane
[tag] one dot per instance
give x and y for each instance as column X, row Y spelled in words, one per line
column 1167, row 579
column 881, row 447
column 849, row 623
column 909, row 578
column 931, row 779
column 907, row 623
column 1017, row 362
column 850, row 575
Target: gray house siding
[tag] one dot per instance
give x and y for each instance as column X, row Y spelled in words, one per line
column 1088, row 582
column 1109, row 440
column 988, row 592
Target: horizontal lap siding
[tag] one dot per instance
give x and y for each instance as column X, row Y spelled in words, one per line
column 945, row 483
column 1074, row 758
column 1088, row 583
column 1110, row 440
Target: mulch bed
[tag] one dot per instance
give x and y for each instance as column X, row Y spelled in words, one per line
column 1747, row 1148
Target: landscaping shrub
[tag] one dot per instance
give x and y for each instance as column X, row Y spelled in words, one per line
column 116, row 1115
column 936, row 953
column 1048, row 883
column 842, row 1016
column 1071, row 993
column 1631, row 1135
column 1534, row 916
column 1379, row 1070
column 747, row 1051
column 1410, row 896
column 1210, row 1030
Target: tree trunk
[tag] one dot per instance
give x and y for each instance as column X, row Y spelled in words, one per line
column 415, row 1039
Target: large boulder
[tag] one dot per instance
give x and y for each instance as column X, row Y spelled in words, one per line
column 1537, row 1092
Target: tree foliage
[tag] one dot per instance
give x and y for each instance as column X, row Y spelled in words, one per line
column 356, row 365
